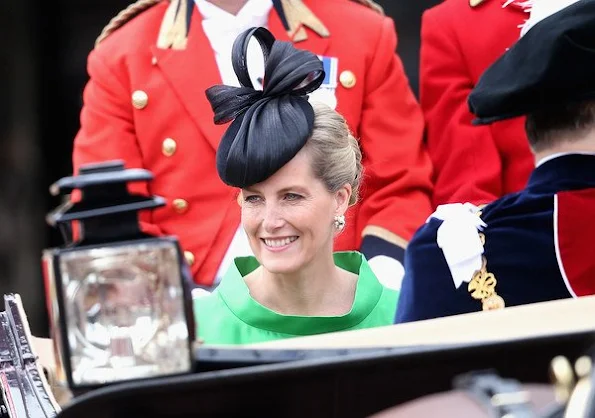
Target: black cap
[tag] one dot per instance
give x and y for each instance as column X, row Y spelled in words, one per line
column 271, row 126
column 553, row 63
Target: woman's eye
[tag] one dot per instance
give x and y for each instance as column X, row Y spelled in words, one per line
column 292, row 196
column 251, row 198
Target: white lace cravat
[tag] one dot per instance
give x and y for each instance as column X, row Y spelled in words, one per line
column 459, row 240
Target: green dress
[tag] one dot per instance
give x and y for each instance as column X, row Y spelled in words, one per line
column 229, row 315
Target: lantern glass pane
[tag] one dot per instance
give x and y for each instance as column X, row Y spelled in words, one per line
column 125, row 316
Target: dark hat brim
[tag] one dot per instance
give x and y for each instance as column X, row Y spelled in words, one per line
column 553, row 63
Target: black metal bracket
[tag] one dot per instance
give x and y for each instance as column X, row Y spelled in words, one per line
column 106, row 211
column 25, row 390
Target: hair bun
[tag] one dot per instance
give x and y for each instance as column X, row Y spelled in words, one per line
column 269, row 127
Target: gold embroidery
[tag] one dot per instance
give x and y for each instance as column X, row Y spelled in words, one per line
column 298, row 16
column 483, row 285
column 174, row 28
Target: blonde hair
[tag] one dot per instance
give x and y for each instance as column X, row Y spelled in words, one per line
column 336, row 156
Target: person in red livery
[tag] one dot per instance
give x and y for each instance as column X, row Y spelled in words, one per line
column 459, row 40
column 145, row 104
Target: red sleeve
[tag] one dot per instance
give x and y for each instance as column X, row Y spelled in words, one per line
column 107, row 127
column 466, row 162
column 397, row 169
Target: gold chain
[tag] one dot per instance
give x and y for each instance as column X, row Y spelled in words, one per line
column 483, row 285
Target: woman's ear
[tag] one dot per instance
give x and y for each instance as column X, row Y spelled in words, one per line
column 342, row 197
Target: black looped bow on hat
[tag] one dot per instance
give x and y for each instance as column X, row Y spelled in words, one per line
column 268, row 127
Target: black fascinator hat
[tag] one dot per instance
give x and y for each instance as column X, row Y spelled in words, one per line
column 270, row 126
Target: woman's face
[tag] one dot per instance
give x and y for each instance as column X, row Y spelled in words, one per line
column 289, row 217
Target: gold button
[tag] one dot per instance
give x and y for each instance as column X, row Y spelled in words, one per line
column 347, row 79
column 168, row 147
column 189, row 257
column 180, row 205
column 139, row 99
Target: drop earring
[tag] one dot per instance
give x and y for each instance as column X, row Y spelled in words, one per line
column 339, row 222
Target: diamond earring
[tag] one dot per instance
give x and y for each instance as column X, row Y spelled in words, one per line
column 339, row 222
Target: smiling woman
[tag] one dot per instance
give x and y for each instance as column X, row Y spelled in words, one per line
column 299, row 169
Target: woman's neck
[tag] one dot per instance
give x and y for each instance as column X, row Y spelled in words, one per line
column 319, row 289
column 230, row 6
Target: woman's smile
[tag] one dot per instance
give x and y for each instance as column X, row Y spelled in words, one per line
column 288, row 217
column 279, row 244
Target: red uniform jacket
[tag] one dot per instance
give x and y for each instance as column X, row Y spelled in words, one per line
column 474, row 164
column 201, row 210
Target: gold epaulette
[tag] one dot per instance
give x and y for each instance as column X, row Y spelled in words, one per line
column 124, row 16
column 372, row 5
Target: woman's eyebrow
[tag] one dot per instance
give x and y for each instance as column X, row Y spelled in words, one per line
column 293, row 188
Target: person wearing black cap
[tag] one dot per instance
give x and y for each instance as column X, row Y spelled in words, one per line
column 298, row 169
column 534, row 245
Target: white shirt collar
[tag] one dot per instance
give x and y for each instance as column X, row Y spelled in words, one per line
column 561, row 154
column 222, row 28
column 254, row 11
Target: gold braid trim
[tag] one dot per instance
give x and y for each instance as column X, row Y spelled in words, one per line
column 124, row 16
column 385, row 234
column 372, row 5
column 140, row 6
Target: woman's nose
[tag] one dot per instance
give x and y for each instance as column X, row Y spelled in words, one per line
column 272, row 218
